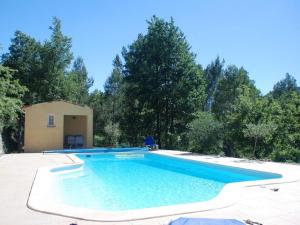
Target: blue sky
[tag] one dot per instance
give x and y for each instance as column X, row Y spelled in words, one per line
column 263, row 36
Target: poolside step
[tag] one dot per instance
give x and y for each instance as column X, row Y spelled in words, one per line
column 72, row 175
column 129, row 156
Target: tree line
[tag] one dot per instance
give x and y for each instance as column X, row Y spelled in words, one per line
column 156, row 88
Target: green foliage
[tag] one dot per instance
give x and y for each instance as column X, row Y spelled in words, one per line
column 96, row 102
column 233, row 103
column 25, row 58
column 286, row 154
column 113, row 83
column 114, row 92
column 10, row 94
column 213, row 73
column 164, row 84
column 10, row 104
column 41, row 67
column 112, row 132
column 56, row 56
column 108, row 108
column 228, row 90
column 288, row 121
column 77, row 83
column 205, row 134
column 99, row 141
column 258, row 132
column 285, row 86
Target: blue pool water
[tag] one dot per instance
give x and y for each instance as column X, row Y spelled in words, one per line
column 125, row 181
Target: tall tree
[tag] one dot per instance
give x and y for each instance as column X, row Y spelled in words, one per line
column 24, row 58
column 285, row 86
column 233, row 99
column 113, row 102
column 56, row 56
column 96, row 102
column 77, row 83
column 41, row 67
column 112, row 90
column 114, row 81
column 286, row 141
column 228, row 89
column 11, row 93
column 213, row 73
column 258, row 132
column 161, row 72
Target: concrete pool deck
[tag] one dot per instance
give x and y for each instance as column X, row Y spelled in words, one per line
column 258, row 203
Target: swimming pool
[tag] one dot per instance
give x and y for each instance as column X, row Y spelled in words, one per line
column 116, row 182
column 125, row 186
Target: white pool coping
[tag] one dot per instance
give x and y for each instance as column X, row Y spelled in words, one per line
column 40, row 198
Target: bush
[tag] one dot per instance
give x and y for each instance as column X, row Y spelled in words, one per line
column 112, row 132
column 99, row 141
column 205, row 134
column 288, row 154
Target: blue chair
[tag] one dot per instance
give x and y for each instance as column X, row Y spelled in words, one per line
column 74, row 141
column 204, row 221
column 79, row 142
column 149, row 141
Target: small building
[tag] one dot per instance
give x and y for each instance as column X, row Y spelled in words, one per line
column 57, row 124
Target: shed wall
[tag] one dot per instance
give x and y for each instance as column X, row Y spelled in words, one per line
column 40, row 137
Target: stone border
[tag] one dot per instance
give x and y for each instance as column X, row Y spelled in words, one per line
column 40, row 198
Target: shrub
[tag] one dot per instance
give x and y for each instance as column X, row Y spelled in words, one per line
column 205, row 134
column 288, row 154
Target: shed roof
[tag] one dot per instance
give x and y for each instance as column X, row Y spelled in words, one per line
column 55, row 102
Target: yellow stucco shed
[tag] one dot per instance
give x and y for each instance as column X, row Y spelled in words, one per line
column 51, row 125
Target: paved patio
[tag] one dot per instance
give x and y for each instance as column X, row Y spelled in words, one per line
column 257, row 203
